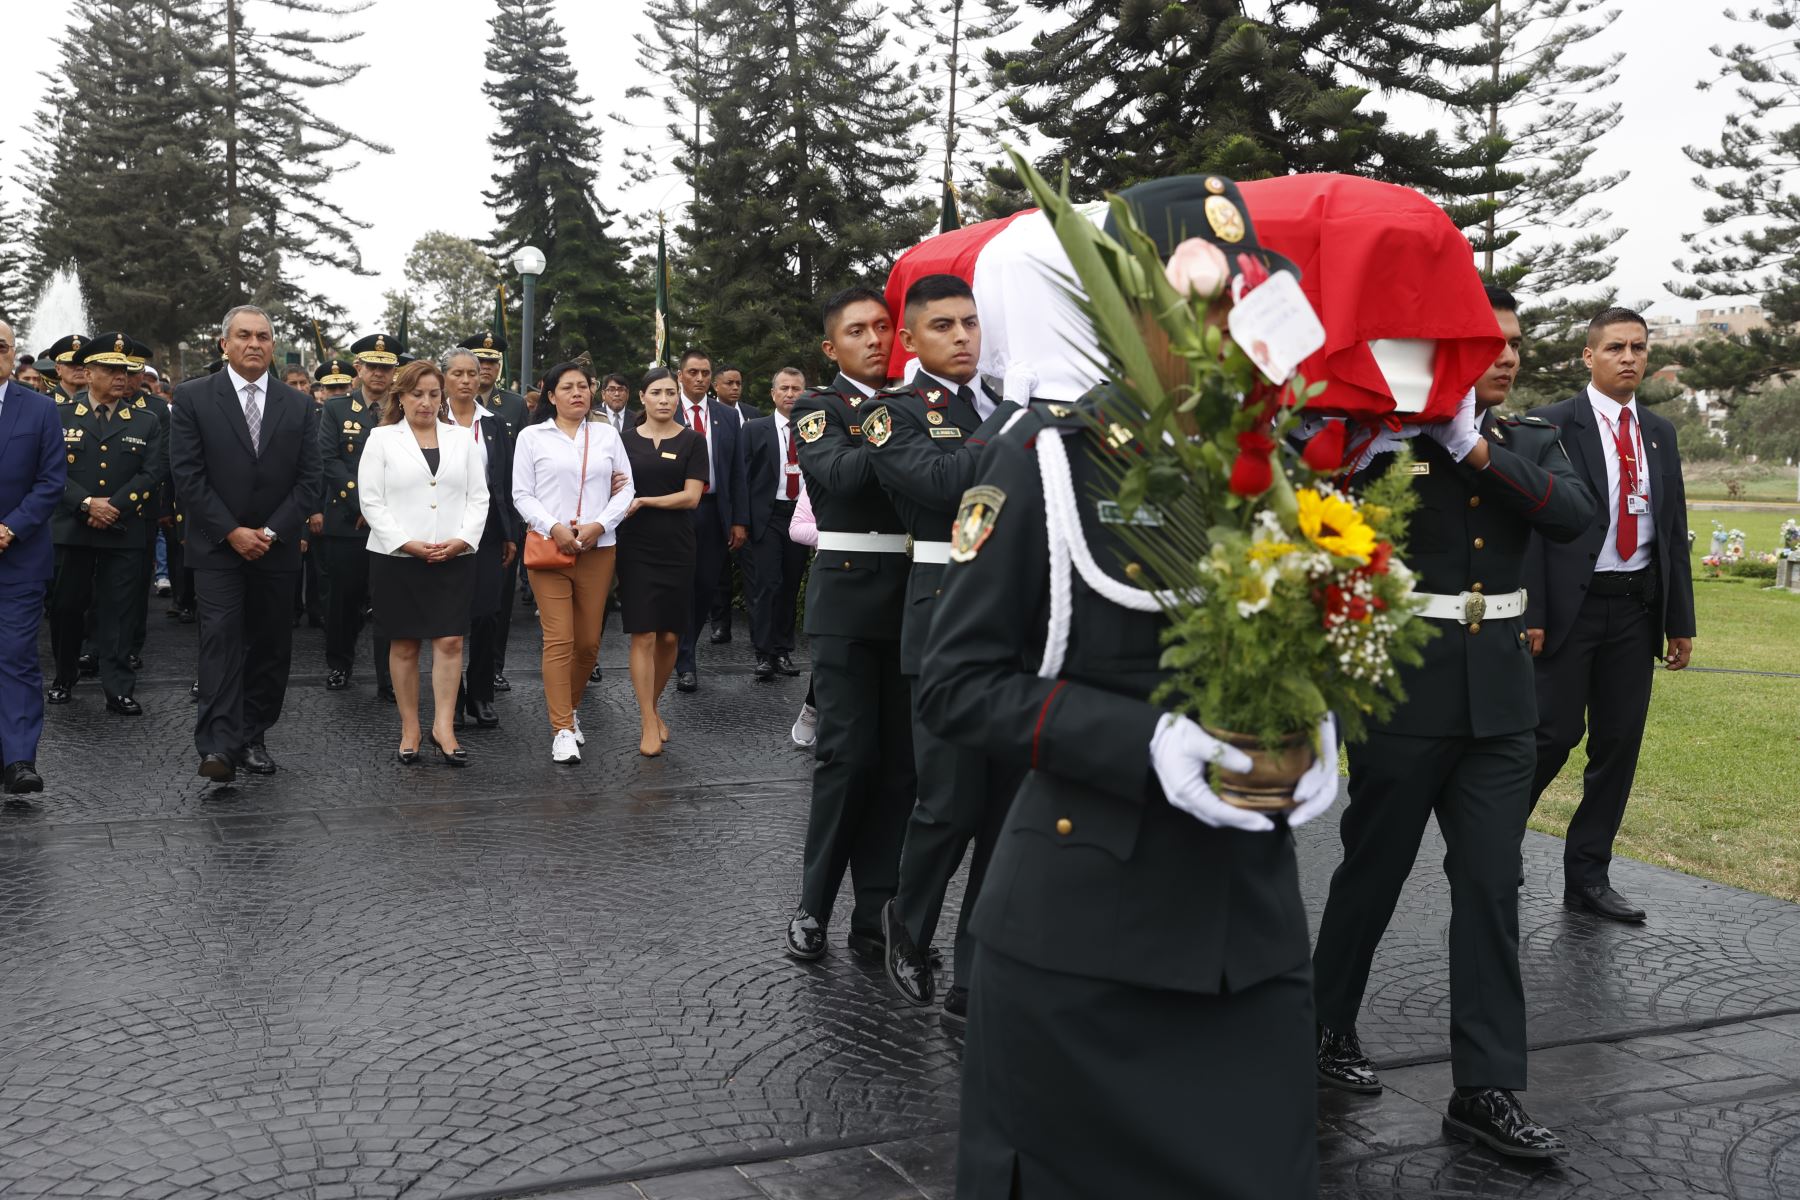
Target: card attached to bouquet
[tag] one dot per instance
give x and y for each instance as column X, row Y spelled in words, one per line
column 1276, row 327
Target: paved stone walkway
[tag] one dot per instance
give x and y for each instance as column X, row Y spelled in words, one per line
column 359, row 979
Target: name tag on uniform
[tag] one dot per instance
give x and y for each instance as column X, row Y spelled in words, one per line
column 1637, row 506
column 134, row 441
column 669, row 454
column 1418, row 468
column 1110, row 513
column 945, row 431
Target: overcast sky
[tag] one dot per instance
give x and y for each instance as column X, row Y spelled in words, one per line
column 423, row 97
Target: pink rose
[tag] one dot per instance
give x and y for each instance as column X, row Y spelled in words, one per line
column 1198, row 268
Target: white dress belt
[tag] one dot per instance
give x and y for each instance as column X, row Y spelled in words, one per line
column 863, row 543
column 931, row 552
column 1469, row 607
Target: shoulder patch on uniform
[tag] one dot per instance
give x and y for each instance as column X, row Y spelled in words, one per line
column 975, row 521
column 877, row 425
column 811, row 427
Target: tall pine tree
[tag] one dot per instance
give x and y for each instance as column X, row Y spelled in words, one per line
column 544, row 193
column 947, row 40
column 806, row 171
column 1141, row 89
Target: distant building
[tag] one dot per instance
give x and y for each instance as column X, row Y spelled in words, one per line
column 1735, row 321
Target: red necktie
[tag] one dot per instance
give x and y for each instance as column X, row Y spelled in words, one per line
column 793, row 460
column 1627, row 539
column 699, row 424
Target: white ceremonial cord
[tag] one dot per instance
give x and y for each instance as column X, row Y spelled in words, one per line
column 1062, row 523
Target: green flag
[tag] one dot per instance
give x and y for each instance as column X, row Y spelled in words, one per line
column 662, row 295
column 499, row 327
column 952, row 214
column 400, row 333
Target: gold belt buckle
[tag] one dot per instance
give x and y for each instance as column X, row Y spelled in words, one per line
column 1474, row 607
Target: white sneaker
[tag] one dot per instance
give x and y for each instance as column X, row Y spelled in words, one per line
column 565, row 749
column 580, row 737
column 806, row 727
column 162, row 585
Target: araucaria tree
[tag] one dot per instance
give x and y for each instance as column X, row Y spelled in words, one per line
column 805, row 173
column 544, row 193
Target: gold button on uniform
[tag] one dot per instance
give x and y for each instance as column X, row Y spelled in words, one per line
column 1480, row 542
column 1474, row 501
column 1474, row 587
column 1475, row 627
column 846, row 565
column 434, row 483
column 1065, row 826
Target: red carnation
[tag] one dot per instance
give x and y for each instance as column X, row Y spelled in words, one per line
column 1251, row 474
column 1325, row 452
column 1378, row 561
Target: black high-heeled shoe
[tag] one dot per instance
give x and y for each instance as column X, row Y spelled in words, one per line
column 452, row 758
column 407, row 757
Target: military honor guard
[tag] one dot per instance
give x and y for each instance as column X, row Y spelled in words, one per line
column 344, row 425
column 1460, row 747
column 864, row 783
column 926, row 438
column 116, row 457
column 1140, row 1009
column 490, row 352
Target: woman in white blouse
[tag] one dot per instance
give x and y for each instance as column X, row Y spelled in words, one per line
column 563, row 476
column 423, row 484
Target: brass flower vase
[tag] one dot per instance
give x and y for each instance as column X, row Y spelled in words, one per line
column 1268, row 786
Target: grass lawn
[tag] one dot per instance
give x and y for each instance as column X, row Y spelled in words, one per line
column 1716, row 791
column 1762, row 482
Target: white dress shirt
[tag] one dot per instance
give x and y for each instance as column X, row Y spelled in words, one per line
column 477, row 430
column 619, row 420
column 984, row 403
column 403, row 500
column 1607, row 410
column 261, row 384
column 547, row 478
column 706, row 419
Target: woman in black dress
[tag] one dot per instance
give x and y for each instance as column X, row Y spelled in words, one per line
column 656, row 546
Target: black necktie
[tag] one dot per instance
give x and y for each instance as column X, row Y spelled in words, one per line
column 966, row 394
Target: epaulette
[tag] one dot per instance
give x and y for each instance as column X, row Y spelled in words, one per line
column 1061, row 413
column 897, row 389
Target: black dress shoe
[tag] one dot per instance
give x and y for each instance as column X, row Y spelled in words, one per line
column 256, row 760
column 194, row 691
column 384, row 691
column 594, row 675
column 765, row 668
column 906, row 967
column 720, row 637
column 337, row 681
column 805, row 937
column 21, row 777
column 59, row 693
column 1495, row 1118
column 452, row 758
column 955, row 1016
column 217, row 768
column 870, row 947
column 186, row 617
column 483, row 714
column 687, row 682
column 1342, row 1063
column 134, row 662
column 785, row 664
column 500, row 683
column 88, row 665
column 1602, row 901
column 125, row 706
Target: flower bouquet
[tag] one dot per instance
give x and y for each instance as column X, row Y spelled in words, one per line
column 1287, row 597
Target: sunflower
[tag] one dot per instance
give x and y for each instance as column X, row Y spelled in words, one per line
column 1332, row 524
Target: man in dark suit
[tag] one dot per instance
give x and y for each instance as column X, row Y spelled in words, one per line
column 728, row 389
column 32, row 476
column 1606, row 606
column 244, row 451
column 615, row 404
column 773, row 453
column 722, row 518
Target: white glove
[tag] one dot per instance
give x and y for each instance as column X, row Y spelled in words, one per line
column 1180, row 751
column 1387, row 439
column 1318, row 788
column 1458, row 435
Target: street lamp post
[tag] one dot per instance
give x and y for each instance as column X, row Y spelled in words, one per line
column 528, row 261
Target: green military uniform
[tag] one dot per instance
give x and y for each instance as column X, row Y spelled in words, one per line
column 1141, row 1015
column 115, row 453
column 512, row 409
column 344, row 426
column 509, row 405
column 927, row 439
column 1460, row 746
column 146, row 402
column 863, row 785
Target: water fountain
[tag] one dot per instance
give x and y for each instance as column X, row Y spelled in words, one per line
column 60, row 309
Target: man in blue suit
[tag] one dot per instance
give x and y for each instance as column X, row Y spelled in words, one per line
column 32, row 475
column 722, row 520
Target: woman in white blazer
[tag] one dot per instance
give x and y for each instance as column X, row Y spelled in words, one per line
column 424, row 495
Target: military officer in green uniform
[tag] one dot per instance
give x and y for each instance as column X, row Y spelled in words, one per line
column 490, row 355
column 863, row 783
column 926, row 438
column 115, row 453
column 145, row 402
column 70, row 376
column 1460, row 746
column 336, row 377
column 1140, row 1010
column 344, row 426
